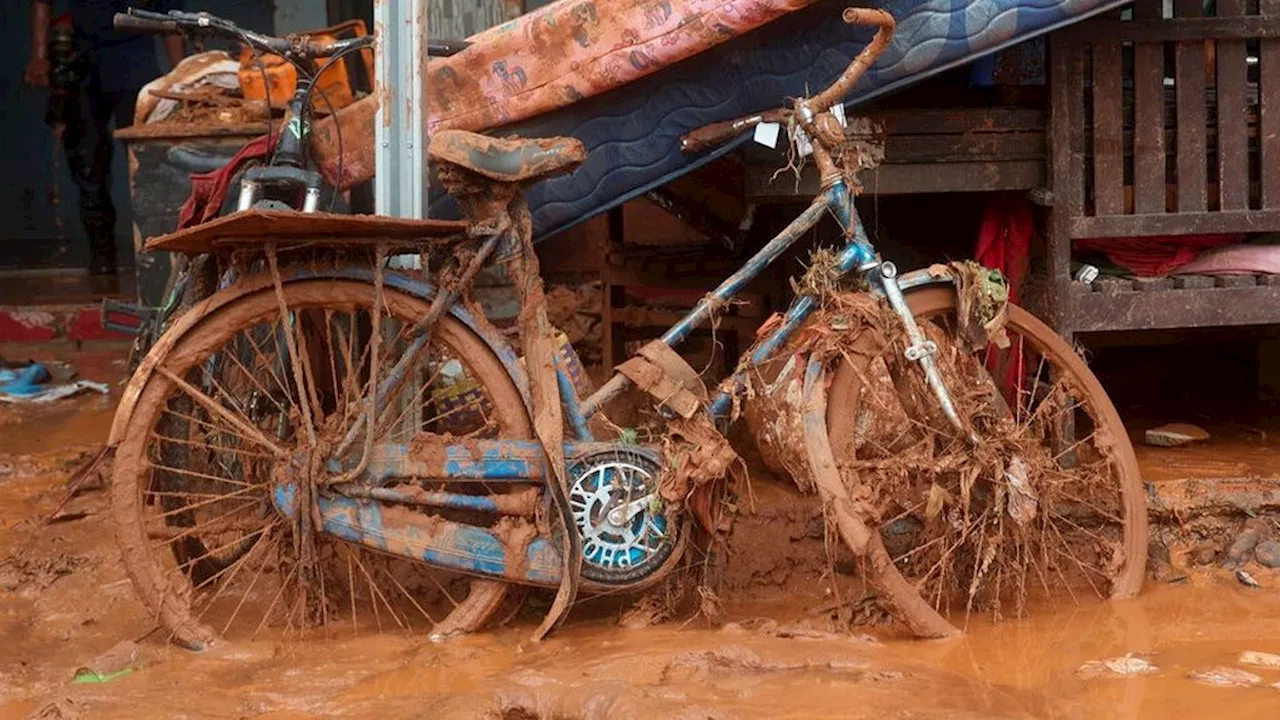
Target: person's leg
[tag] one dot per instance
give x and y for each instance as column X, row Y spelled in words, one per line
column 87, row 141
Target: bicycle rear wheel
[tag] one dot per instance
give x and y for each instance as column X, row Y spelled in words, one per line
column 1049, row 503
column 191, row 492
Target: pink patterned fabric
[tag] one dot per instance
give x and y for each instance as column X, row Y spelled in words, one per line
column 574, row 49
column 1236, row 259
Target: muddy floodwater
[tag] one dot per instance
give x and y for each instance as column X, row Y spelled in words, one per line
column 64, row 601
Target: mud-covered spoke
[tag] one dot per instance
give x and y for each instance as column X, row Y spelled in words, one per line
column 237, row 419
column 1041, row 505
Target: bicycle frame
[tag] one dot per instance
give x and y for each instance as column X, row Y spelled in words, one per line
column 513, row 459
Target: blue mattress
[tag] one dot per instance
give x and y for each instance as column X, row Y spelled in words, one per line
column 633, row 133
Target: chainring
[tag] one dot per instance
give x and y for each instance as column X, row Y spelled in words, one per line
column 626, row 535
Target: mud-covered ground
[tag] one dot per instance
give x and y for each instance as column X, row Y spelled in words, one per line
column 64, row 602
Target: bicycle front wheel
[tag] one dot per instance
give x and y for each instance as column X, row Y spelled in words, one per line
column 1048, row 506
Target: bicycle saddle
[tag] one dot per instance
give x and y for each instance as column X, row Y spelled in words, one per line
column 512, row 160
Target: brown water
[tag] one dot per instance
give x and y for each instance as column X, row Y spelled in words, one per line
column 72, row 603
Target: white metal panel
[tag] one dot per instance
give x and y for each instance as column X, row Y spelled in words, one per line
column 400, row 186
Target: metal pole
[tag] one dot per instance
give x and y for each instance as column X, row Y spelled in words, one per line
column 400, row 185
column 401, row 180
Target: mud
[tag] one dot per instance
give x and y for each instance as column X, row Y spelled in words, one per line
column 791, row 646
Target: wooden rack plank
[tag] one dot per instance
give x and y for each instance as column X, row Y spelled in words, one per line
column 1186, row 29
column 1148, row 126
column 1213, row 307
column 1108, row 144
column 1197, row 223
column 1233, row 139
column 1189, row 88
column 1269, row 122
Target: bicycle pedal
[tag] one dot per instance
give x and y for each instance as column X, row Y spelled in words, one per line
column 138, row 316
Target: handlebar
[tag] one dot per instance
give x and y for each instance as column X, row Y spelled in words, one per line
column 721, row 132
column 181, row 23
column 884, row 23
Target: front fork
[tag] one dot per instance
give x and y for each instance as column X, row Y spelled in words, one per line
column 920, row 349
column 882, row 275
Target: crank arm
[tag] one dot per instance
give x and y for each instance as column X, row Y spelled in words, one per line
column 622, row 514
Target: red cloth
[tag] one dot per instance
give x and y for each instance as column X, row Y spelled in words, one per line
column 1156, row 256
column 1004, row 243
column 1004, row 240
column 209, row 190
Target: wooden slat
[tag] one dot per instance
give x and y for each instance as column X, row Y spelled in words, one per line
column 1148, row 126
column 1066, row 173
column 927, row 121
column 1113, row 285
column 908, row 179
column 1214, row 307
column 1108, row 145
column 1197, row 223
column 1066, row 133
column 1188, row 29
column 1235, row 281
column 1233, row 140
column 939, row 148
column 1192, row 282
column 1269, row 122
column 1189, row 86
column 1152, row 284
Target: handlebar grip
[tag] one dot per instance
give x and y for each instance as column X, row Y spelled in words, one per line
column 147, row 26
column 709, row 136
column 437, row 47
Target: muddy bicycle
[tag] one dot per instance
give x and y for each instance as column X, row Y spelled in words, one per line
column 328, row 442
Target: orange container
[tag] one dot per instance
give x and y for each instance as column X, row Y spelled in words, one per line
column 271, row 77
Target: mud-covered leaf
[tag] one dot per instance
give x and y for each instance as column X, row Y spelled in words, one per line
column 938, row 499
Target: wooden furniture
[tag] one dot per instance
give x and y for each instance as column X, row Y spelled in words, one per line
column 1164, row 127
column 955, row 149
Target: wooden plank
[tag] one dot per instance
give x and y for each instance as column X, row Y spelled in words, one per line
column 986, row 147
column 1185, row 29
column 1269, row 121
column 1066, row 173
column 1192, row 282
column 1197, row 223
column 1108, row 144
column 1152, row 284
column 1233, row 140
column 908, row 149
column 1215, row 307
column 1149, row 119
column 928, row 121
column 612, row 351
column 1108, row 285
column 761, row 186
column 1189, row 87
column 1235, row 281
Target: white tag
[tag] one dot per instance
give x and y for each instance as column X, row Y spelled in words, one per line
column 767, row 134
column 803, row 144
column 837, row 110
